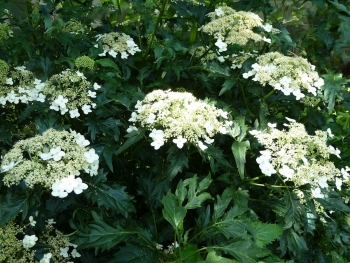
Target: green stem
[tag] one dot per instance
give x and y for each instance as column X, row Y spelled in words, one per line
column 245, row 99
column 273, row 186
column 269, row 95
column 156, row 27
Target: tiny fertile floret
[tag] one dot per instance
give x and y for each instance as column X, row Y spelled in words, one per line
column 179, row 117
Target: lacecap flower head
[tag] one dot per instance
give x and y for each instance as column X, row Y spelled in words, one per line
column 178, row 116
column 70, row 92
column 20, row 85
column 117, row 43
column 54, row 160
column 299, row 157
column 291, row 75
column 229, row 26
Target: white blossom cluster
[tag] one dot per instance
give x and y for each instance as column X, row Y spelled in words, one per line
column 291, row 75
column 54, row 159
column 229, row 26
column 117, row 43
column 69, row 91
column 300, row 157
column 21, row 86
column 179, row 115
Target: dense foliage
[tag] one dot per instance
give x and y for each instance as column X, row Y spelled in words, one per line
column 190, row 131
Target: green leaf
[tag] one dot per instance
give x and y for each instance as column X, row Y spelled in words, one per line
column 295, row 243
column 190, row 254
column 133, row 138
column 132, row 253
column 194, row 196
column 172, row 212
column 15, row 202
column 106, row 62
column 221, row 204
column 227, row 86
column 266, row 233
column 341, row 7
column 178, row 159
column 239, row 150
column 333, row 88
column 244, row 251
column 99, row 235
column 111, row 197
column 294, row 209
column 212, row 257
column 107, row 153
column 197, row 201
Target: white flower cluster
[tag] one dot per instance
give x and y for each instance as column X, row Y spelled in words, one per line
column 300, row 157
column 291, row 75
column 69, row 91
column 21, row 87
column 179, row 115
column 55, row 159
column 117, row 43
column 229, row 26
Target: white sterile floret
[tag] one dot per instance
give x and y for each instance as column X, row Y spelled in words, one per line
column 86, row 109
column 221, row 45
column 64, row 251
column 46, row 258
column 96, row 86
column 133, row 117
column 219, row 11
column 131, row 128
column 9, row 81
column 151, row 118
column 74, row 113
column 179, row 141
column 91, row 156
column 75, row 253
column 317, row 193
column 338, row 183
column 179, row 116
column 32, row 222
column 80, row 186
column 267, row 27
column 81, row 141
column 58, row 190
column 5, row 168
column 29, row 241
column 344, row 173
column 334, row 151
column 202, row 146
column 113, row 53
column 158, row 138
column 268, row 40
column 291, row 75
column 57, row 153
column 330, row 134
column 286, row 172
column 91, row 94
